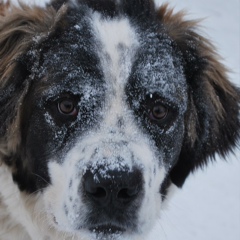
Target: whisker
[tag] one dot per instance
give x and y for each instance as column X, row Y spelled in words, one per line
column 35, row 174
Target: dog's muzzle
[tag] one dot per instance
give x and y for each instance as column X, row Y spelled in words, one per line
column 114, row 195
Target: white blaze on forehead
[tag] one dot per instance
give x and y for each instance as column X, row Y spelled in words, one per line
column 118, row 40
column 118, row 44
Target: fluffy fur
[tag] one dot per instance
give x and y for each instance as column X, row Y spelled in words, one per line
column 104, row 105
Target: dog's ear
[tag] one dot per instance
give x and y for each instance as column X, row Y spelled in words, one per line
column 3, row 7
column 212, row 122
column 21, row 30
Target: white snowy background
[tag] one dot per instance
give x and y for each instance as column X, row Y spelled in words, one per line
column 208, row 206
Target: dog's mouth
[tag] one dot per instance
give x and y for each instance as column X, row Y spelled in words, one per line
column 107, row 229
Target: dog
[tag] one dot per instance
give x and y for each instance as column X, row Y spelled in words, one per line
column 105, row 107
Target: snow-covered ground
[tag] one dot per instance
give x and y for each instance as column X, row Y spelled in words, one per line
column 208, row 206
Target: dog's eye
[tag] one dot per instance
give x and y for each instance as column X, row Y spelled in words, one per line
column 155, row 109
column 67, row 107
column 158, row 112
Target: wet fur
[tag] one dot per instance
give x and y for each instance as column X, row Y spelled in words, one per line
column 212, row 110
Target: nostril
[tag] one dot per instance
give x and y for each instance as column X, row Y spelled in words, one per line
column 98, row 192
column 92, row 189
column 123, row 194
column 127, row 193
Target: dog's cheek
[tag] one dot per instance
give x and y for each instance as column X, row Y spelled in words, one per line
column 63, row 200
column 54, row 196
column 154, row 173
column 152, row 203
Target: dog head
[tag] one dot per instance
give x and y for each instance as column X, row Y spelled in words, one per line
column 105, row 105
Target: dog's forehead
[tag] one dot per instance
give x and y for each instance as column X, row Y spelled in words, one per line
column 118, row 42
column 142, row 55
column 98, row 51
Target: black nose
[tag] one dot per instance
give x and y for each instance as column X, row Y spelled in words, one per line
column 113, row 186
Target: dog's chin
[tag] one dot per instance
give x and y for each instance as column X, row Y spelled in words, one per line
column 107, row 231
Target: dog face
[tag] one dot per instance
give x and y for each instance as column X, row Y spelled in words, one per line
column 110, row 105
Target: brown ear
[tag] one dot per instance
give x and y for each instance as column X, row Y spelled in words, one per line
column 212, row 122
column 3, row 7
column 22, row 29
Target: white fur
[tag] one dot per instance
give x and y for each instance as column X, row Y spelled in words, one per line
column 17, row 210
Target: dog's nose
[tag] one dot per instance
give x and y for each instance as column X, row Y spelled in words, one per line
column 116, row 187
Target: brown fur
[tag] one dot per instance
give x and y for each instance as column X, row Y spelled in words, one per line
column 185, row 32
column 3, row 7
column 21, row 28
